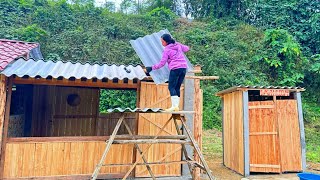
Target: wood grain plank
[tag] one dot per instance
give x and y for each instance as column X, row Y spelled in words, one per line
column 290, row 135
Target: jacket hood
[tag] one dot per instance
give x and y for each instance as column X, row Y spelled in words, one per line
column 174, row 46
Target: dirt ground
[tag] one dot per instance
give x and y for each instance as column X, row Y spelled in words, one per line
column 212, row 149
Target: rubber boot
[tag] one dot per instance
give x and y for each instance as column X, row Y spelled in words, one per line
column 174, row 104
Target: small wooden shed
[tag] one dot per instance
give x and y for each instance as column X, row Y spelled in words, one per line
column 263, row 129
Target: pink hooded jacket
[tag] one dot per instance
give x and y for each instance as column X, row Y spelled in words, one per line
column 173, row 54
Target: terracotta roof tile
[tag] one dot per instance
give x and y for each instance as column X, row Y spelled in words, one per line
column 10, row 50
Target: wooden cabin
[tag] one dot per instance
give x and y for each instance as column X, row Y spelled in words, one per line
column 52, row 126
column 263, row 129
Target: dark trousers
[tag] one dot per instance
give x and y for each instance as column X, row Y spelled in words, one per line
column 176, row 78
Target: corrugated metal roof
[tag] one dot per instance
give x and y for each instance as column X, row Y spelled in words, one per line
column 243, row 87
column 144, row 110
column 10, row 50
column 149, row 50
column 67, row 70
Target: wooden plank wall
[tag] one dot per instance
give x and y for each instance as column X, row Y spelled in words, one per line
column 31, row 159
column 152, row 95
column 263, row 137
column 233, row 131
column 289, row 134
column 3, row 96
column 107, row 122
column 52, row 116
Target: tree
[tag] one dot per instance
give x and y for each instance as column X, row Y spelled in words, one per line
column 282, row 58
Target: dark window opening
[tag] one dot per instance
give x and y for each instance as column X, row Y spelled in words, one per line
column 58, row 111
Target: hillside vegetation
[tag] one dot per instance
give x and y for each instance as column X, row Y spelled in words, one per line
column 267, row 43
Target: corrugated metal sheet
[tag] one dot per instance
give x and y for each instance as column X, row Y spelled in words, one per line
column 67, row 70
column 243, row 87
column 149, row 50
column 144, row 110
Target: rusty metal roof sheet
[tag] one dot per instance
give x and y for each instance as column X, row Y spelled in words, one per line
column 149, row 50
column 244, row 88
column 68, row 70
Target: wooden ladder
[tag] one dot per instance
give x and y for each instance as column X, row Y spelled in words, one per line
column 172, row 139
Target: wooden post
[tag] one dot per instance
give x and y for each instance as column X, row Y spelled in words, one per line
column 5, row 126
column 3, row 93
column 197, row 131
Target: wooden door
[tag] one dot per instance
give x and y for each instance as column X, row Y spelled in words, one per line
column 289, row 133
column 263, row 137
column 157, row 96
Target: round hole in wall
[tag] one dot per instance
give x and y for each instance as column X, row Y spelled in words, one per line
column 73, row 100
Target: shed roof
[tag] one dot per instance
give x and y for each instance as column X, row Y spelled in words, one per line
column 11, row 50
column 149, row 50
column 245, row 88
column 67, row 70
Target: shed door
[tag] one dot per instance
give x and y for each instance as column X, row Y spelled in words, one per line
column 157, row 96
column 289, row 134
column 274, row 136
column 264, row 140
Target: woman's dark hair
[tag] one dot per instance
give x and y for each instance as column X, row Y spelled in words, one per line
column 168, row 39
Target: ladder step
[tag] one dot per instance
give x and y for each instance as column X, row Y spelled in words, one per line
column 128, row 137
column 152, row 163
column 152, row 141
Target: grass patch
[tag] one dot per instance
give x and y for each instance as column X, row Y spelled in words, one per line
column 212, row 143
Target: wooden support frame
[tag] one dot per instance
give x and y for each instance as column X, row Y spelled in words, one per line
column 175, row 116
column 5, row 125
column 139, row 150
column 197, row 149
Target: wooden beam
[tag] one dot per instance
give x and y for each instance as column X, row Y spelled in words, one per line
column 69, row 177
column 153, row 163
column 3, row 95
column 5, row 126
column 265, row 165
column 192, row 77
column 262, row 133
column 77, row 82
column 85, row 138
column 203, row 77
column 262, row 107
column 151, row 141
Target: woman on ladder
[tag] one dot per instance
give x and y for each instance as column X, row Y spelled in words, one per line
column 173, row 55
